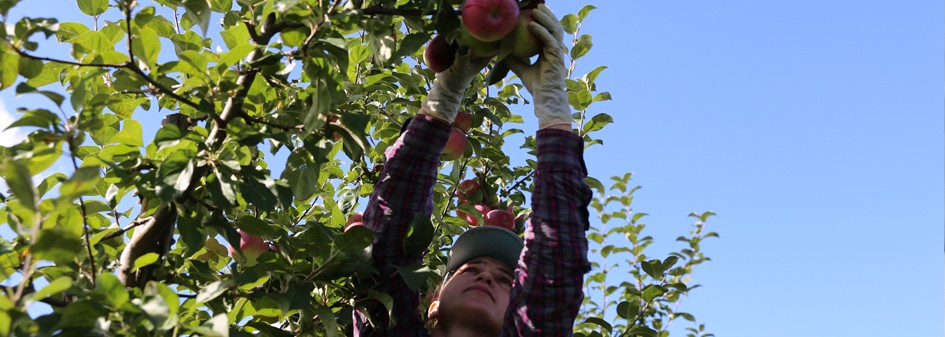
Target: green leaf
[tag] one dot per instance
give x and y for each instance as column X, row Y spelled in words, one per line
column 597, row 122
column 237, row 53
column 498, row 72
column 356, row 239
column 570, row 23
column 198, row 11
column 653, row 268
column 582, row 14
column 601, row 322
column 58, row 285
column 408, row 46
column 415, row 276
column 358, row 53
column 93, row 7
column 651, row 292
column 419, row 236
column 445, row 19
column 628, row 310
column 82, row 182
column 174, row 175
column 145, row 260
column 327, row 319
column 160, row 303
column 595, row 184
column 147, row 45
column 592, row 76
column 213, row 290
column 235, row 36
column 109, row 288
column 25, row 88
column 9, row 67
column 18, row 177
column 130, row 134
column 318, row 110
column 581, row 47
column 30, row 68
column 253, row 225
column 669, row 262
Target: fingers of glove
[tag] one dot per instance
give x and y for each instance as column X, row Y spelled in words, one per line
column 547, row 40
column 518, row 66
column 543, row 15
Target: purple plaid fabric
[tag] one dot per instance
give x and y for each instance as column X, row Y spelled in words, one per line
column 547, row 292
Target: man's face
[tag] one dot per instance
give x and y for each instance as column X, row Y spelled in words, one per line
column 477, row 294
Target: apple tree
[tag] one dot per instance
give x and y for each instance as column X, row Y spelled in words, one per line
column 174, row 129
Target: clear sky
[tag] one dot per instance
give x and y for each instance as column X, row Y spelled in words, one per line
column 813, row 128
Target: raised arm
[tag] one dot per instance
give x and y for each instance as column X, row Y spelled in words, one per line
column 405, row 187
column 546, row 295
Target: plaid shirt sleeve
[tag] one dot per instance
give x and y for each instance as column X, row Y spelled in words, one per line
column 404, row 188
column 547, row 292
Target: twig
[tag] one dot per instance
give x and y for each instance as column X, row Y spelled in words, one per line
column 48, row 59
column 85, row 223
column 519, row 182
column 381, row 10
column 128, row 4
column 121, row 232
column 446, row 209
column 267, row 123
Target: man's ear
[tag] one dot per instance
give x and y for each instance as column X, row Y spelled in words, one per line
column 434, row 310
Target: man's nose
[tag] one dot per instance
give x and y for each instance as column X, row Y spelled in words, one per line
column 486, row 277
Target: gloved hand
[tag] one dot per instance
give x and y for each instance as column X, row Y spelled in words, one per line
column 545, row 79
column 450, row 85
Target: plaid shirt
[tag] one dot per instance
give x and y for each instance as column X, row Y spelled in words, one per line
column 546, row 294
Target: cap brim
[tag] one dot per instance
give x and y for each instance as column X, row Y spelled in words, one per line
column 495, row 242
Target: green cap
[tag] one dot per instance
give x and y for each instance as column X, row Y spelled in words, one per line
column 495, row 242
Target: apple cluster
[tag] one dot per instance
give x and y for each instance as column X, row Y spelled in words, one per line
column 470, row 192
column 456, row 145
column 488, row 26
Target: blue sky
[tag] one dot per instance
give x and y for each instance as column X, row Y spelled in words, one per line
column 813, row 128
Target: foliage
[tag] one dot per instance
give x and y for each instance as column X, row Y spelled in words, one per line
column 276, row 126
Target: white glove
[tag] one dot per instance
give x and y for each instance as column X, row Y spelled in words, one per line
column 545, row 79
column 450, row 85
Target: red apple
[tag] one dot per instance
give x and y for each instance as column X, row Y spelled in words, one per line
column 526, row 44
column 439, row 54
column 467, row 188
column 356, row 217
column 490, row 20
column 455, row 146
column 476, row 46
column 463, row 121
column 353, row 224
column 500, row 218
column 251, row 247
column 483, row 209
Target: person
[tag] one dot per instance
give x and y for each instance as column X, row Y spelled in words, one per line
column 494, row 286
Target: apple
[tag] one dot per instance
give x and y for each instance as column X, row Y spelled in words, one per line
column 455, row 146
column 439, row 54
column 353, row 224
column 356, row 217
column 466, row 188
column 490, row 20
column 477, row 47
column 463, row 121
column 251, row 247
column 500, row 218
column 482, row 208
column 526, row 44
